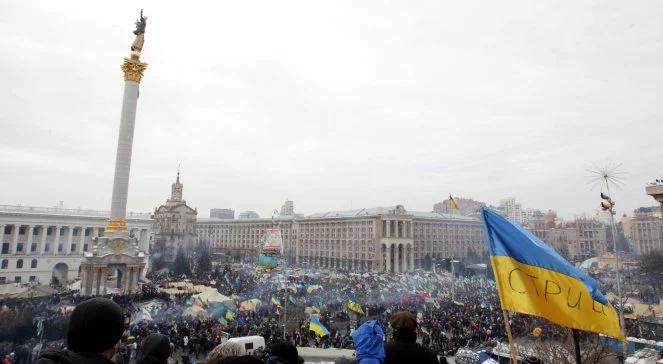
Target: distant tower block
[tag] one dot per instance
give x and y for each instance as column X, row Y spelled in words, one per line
column 657, row 193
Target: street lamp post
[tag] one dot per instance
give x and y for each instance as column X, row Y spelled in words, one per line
column 608, row 205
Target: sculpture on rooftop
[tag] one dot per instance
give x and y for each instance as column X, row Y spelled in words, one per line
column 141, row 23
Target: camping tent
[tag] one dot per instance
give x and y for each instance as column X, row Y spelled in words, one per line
column 249, row 305
column 212, row 296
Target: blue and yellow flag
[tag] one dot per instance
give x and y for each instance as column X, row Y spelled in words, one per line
column 533, row 278
column 453, row 203
column 316, row 326
column 276, row 301
column 353, row 305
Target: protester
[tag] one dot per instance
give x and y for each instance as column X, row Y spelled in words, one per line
column 155, row 350
column 369, row 343
column 95, row 328
column 283, row 353
column 404, row 347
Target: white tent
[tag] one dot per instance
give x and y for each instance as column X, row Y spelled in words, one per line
column 212, row 296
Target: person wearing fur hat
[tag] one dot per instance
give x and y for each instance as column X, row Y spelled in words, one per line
column 404, row 348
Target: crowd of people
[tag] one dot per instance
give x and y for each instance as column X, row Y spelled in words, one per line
column 449, row 313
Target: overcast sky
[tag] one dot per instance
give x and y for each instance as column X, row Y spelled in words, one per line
column 335, row 104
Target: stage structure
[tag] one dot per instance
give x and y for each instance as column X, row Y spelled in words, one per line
column 116, row 263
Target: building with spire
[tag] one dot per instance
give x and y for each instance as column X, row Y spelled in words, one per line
column 174, row 227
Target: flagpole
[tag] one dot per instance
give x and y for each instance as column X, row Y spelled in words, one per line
column 507, row 326
column 576, row 345
column 620, row 308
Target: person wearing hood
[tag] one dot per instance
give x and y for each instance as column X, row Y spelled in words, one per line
column 283, row 353
column 369, row 343
column 156, row 350
column 404, row 347
column 95, row 329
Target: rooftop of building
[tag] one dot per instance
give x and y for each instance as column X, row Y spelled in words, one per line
column 61, row 211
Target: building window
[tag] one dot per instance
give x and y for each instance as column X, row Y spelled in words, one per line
column 49, row 231
column 73, row 247
column 33, row 278
column 87, row 232
column 84, row 247
column 61, row 232
column 33, row 263
column 3, row 280
column 17, row 279
column 47, row 248
column 19, row 247
column 5, row 248
column 5, row 264
column 59, row 248
column 33, row 247
column 21, row 230
column 8, row 230
column 19, row 264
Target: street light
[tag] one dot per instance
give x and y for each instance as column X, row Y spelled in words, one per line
column 608, row 205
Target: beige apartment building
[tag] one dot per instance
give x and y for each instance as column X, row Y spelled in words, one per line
column 382, row 239
column 644, row 230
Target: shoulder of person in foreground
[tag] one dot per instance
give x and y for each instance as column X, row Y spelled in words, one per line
column 64, row 356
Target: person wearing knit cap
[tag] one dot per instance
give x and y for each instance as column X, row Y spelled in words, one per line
column 95, row 328
column 404, row 348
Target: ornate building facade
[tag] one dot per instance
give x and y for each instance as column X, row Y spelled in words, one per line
column 174, row 226
column 40, row 243
column 377, row 239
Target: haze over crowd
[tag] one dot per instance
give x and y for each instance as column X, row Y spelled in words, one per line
column 336, row 106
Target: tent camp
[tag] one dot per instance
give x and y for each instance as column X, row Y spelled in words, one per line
column 212, row 296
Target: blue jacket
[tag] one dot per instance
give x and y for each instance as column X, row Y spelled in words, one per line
column 369, row 343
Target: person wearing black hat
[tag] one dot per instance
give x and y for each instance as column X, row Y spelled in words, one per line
column 404, row 347
column 155, row 350
column 95, row 328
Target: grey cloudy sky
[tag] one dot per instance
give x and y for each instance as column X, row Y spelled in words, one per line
column 335, row 104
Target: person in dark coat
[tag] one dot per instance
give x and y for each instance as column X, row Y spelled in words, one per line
column 156, row 350
column 404, row 347
column 95, row 328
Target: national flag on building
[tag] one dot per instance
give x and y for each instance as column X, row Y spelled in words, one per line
column 533, row 278
column 453, row 203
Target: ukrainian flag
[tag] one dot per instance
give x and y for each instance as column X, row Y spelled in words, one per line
column 316, row 326
column 353, row 305
column 230, row 316
column 453, row 203
column 276, row 301
column 534, row 279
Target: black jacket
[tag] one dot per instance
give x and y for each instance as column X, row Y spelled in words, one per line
column 64, row 356
column 398, row 352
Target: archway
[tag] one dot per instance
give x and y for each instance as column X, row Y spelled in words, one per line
column 60, row 274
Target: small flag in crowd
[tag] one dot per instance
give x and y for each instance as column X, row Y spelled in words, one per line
column 353, row 305
column 533, row 278
column 316, row 326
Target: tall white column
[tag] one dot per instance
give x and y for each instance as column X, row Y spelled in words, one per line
column 2, row 235
column 388, row 256
column 412, row 257
column 28, row 242
column 81, row 242
column 70, row 239
column 44, row 233
column 396, row 259
column 56, row 242
column 405, row 259
column 387, row 229
column 15, row 238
